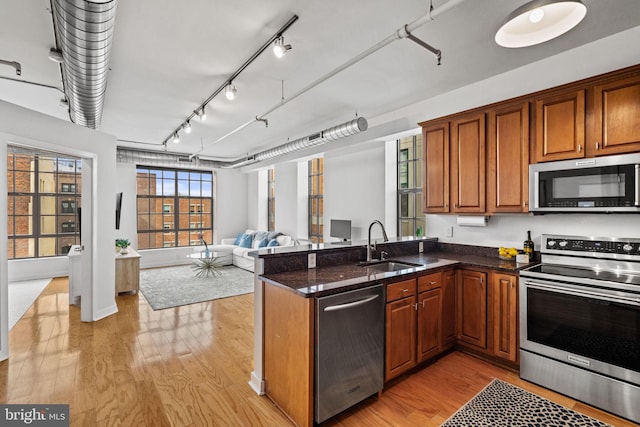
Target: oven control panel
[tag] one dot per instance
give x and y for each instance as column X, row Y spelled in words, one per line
column 604, row 246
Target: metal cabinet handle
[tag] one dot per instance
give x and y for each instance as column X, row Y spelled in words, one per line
column 422, row 302
column 432, row 283
column 597, row 145
column 405, row 290
column 415, row 306
column 524, row 203
column 579, row 148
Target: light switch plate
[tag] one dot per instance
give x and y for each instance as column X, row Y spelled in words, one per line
column 420, row 247
column 449, row 232
column 311, row 260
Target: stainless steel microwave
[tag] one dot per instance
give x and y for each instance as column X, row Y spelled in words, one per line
column 601, row 184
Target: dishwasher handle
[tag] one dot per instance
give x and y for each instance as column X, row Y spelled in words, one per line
column 350, row 304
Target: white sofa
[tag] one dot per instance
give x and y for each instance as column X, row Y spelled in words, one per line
column 230, row 253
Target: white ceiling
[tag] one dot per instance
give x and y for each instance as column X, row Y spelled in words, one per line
column 168, row 56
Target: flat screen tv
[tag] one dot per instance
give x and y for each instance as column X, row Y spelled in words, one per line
column 118, row 209
column 341, row 229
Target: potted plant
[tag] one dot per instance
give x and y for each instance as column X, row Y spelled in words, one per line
column 123, row 245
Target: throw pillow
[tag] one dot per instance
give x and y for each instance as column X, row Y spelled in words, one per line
column 272, row 242
column 245, row 241
column 238, row 237
column 257, row 244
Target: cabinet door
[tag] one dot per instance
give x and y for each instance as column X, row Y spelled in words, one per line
column 560, row 127
column 467, row 177
column 436, row 167
column 508, row 159
column 429, row 333
column 617, row 117
column 448, row 316
column 400, row 337
column 472, row 308
column 504, row 290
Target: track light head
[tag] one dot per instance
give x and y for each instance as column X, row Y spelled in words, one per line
column 202, row 115
column 279, row 48
column 176, row 138
column 230, row 92
column 187, row 127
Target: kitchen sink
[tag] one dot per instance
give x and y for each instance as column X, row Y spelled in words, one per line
column 391, row 265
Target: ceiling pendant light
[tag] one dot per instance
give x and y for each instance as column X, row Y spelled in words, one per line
column 230, row 92
column 538, row 21
column 279, row 48
column 176, row 138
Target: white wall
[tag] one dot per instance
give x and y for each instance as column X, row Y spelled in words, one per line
column 286, row 188
column 354, row 188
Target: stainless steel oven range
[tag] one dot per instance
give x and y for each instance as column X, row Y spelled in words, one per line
column 580, row 321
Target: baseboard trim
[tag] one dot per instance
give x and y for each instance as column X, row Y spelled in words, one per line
column 256, row 384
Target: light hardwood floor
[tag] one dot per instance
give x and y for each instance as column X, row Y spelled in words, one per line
column 189, row 366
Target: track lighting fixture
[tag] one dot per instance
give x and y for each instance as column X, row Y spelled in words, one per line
column 230, row 91
column 539, row 21
column 227, row 87
column 202, row 115
column 279, row 48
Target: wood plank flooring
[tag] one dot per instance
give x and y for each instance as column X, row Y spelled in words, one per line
column 190, row 366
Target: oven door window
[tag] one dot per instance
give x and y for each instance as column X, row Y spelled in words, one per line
column 607, row 186
column 593, row 328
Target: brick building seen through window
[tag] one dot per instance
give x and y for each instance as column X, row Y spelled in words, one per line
column 174, row 207
column 42, row 203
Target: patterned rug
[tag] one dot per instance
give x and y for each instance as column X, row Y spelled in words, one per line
column 501, row 404
column 175, row 286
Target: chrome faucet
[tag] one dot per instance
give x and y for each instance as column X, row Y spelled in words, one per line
column 370, row 247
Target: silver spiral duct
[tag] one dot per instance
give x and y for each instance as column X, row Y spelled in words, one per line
column 331, row 134
column 84, row 31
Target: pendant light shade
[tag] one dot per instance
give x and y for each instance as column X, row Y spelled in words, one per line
column 538, row 21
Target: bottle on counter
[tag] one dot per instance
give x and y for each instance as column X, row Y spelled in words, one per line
column 528, row 245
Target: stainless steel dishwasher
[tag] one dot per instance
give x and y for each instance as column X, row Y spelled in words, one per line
column 349, row 349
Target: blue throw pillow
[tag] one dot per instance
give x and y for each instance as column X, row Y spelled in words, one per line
column 272, row 242
column 262, row 243
column 238, row 237
column 245, row 241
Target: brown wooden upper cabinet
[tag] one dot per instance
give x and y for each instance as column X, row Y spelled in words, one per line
column 508, row 158
column 435, row 139
column 616, row 113
column 467, row 173
column 559, row 126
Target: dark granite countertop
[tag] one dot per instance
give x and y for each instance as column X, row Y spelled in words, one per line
column 321, row 281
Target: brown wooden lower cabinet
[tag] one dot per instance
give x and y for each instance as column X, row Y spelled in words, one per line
column 400, row 341
column 472, row 307
column 504, row 308
column 488, row 313
column 420, row 323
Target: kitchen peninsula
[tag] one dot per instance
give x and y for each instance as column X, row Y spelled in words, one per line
column 443, row 297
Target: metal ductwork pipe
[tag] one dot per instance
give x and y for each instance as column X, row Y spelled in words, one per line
column 331, row 134
column 84, row 32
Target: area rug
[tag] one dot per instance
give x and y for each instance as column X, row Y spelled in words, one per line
column 175, row 286
column 501, row 404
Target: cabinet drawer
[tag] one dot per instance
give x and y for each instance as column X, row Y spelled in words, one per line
column 401, row 289
column 430, row 281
